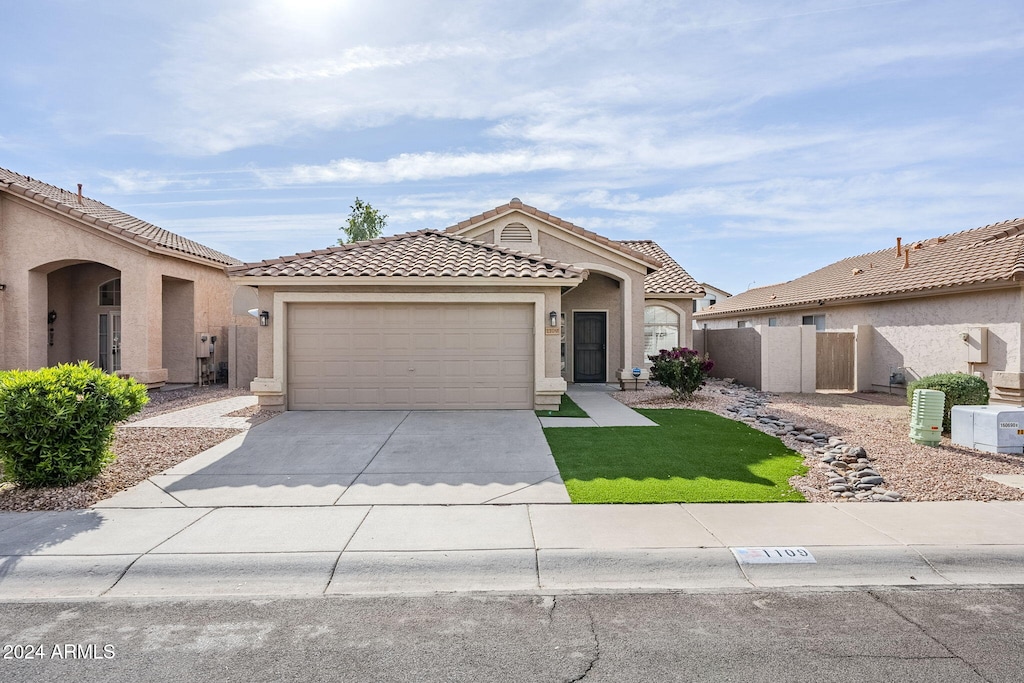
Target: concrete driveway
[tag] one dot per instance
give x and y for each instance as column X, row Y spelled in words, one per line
column 366, row 458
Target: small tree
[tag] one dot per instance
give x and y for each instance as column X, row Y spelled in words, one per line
column 364, row 223
column 681, row 370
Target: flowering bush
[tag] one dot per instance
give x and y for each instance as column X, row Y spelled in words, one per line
column 57, row 424
column 681, row 370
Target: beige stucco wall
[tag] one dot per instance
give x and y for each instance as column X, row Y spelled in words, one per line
column 736, row 353
column 243, row 355
column 921, row 335
column 42, row 265
column 788, row 361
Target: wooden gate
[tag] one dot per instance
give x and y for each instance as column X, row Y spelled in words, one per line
column 834, row 361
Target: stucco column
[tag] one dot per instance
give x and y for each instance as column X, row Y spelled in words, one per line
column 632, row 332
column 269, row 384
column 29, row 336
column 142, row 324
column 686, row 324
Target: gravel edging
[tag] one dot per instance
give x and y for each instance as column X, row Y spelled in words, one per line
column 877, row 423
column 141, row 452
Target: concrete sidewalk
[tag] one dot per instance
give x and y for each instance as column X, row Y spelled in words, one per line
column 602, row 410
column 506, row 548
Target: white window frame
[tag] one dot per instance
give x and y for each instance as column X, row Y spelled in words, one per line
column 678, row 326
column 817, row 320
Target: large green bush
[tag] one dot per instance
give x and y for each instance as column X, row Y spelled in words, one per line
column 57, row 424
column 681, row 370
column 960, row 390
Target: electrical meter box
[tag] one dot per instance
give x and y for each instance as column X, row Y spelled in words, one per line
column 996, row 429
column 203, row 345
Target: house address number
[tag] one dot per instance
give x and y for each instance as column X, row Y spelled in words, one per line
column 774, row 555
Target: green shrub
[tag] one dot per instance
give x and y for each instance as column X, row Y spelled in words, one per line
column 960, row 390
column 57, row 424
column 681, row 370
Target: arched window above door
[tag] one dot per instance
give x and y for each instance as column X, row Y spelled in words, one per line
column 110, row 292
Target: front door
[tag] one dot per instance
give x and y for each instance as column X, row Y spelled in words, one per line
column 110, row 341
column 589, row 345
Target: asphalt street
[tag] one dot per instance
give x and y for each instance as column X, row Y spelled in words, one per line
column 932, row 635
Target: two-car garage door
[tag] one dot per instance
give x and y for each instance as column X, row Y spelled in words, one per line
column 400, row 356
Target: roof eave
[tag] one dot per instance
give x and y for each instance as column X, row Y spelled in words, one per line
column 77, row 214
column 1001, row 283
column 403, row 280
column 650, row 263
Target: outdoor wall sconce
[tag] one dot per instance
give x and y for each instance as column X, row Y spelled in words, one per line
column 264, row 318
column 3, row 287
column 553, row 319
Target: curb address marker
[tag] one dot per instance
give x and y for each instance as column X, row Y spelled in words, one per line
column 773, row 555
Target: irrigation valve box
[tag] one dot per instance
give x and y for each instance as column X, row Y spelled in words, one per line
column 996, row 429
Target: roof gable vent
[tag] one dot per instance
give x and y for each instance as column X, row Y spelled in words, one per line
column 516, row 232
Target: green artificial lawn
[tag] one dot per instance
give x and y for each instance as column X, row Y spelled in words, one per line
column 692, row 457
column 567, row 408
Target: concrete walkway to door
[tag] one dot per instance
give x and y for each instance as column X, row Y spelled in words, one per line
column 603, row 410
column 365, row 458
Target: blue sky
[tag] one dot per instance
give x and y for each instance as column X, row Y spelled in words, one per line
column 755, row 141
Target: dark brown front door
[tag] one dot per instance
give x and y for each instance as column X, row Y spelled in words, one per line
column 589, row 342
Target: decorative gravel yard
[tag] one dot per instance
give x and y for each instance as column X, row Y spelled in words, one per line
column 693, row 456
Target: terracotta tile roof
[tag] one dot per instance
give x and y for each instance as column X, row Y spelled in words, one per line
column 421, row 254
column 988, row 255
column 671, row 279
column 106, row 218
column 516, row 204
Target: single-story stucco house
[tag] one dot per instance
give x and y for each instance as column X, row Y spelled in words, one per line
column 80, row 280
column 947, row 304
column 499, row 311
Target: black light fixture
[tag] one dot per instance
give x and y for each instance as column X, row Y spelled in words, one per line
column 553, row 319
column 3, row 287
column 264, row 318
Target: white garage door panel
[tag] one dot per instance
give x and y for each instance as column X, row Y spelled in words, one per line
column 410, row 356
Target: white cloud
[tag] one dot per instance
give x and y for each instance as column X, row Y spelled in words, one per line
column 361, row 58
column 134, row 181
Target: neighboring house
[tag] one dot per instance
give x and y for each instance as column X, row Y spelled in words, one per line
column 712, row 295
column 499, row 311
column 947, row 304
column 80, row 280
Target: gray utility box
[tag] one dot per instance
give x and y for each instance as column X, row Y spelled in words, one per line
column 996, row 429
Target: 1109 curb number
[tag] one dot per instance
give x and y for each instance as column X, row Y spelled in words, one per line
column 774, row 555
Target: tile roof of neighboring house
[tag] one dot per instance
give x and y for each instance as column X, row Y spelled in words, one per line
column 671, row 279
column 988, row 255
column 518, row 205
column 421, row 254
column 706, row 287
column 107, row 218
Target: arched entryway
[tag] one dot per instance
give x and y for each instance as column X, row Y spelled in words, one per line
column 83, row 314
column 84, row 310
column 596, row 338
